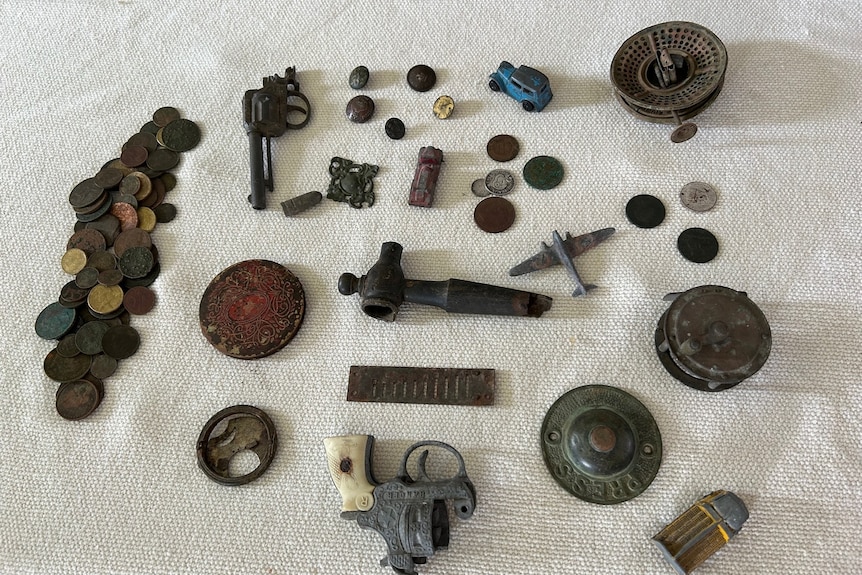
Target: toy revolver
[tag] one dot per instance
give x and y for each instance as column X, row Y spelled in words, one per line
column 409, row 513
column 267, row 113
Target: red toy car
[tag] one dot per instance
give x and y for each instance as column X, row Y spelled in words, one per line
column 425, row 178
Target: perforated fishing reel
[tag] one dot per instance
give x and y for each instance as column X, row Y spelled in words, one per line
column 669, row 73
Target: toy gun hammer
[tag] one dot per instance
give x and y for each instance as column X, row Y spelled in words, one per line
column 267, row 113
column 410, row 514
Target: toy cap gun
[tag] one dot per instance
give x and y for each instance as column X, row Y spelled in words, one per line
column 410, row 514
column 267, row 113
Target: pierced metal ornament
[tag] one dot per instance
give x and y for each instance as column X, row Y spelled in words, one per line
column 601, row 444
column 669, row 73
column 712, row 337
column 351, row 182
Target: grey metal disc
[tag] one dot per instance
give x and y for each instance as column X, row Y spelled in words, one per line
column 601, row 444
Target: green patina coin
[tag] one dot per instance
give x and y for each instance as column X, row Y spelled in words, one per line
column 88, row 340
column 181, row 135
column 67, row 347
column 55, row 321
column 136, row 262
column 543, row 172
column 358, row 77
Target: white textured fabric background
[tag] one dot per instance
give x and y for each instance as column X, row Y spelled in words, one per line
column 120, row 492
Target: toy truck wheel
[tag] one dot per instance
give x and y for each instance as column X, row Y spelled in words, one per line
column 494, row 85
column 528, row 106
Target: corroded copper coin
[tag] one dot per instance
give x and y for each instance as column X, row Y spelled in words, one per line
column 107, row 225
column 136, row 262
column 165, row 213
column 169, row 180
column 102, row 260
column 62, row 369
column 103, row 366
column 252, row 309
column 145, row 140
column 146, row 186
column 85, row 193
column 77, row 399
column 147, row 280
column 111, row 277
column 503, row 148
column 87, row 277
column 158, row 194
column 543, row 172
column 133, row 238
column 130, row 185
column 121, row 341
column 89, row 241
column 163, row 159
column 181, row 135
column 127, row 216
column 165, row 115
column 67, row 347
column 134, row 156
column 108, row 178
column 88, row 339
column 494, row 215
column 139, row 300
column 72, row 296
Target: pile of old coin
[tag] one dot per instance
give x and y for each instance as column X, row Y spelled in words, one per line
column 114, row 261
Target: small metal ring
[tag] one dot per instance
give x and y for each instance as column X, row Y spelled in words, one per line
column 264, row 448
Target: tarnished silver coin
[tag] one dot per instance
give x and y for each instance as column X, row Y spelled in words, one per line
column 478, row 188
column 698, row 196
column 500, row 182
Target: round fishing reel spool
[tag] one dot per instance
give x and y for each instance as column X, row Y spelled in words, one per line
column 669, row 73
column 711, row 338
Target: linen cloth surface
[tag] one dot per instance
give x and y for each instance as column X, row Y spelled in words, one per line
column 120, row 491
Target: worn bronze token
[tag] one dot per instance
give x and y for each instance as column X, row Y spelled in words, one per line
column 645, row 211
column 157, row 196
column 150, row 128
column 697, row 245
column 479, row 189
column 87, row 277
column 102, row 260
column 146, row 186
column 136, row 262
column 55, row 321
column 72, row 296
column 110, row 277
column 130, row 184
column 134, row 156
column 73, row 261
column 443, row 107
column 252, row 309
column 103, row 366
column 121, row 341
column 94, row 207
column 165, row 213
column 360, row 109
column 146, row 219
column 100, row 211
column 163, row 159
column 147, row 280
column 119, row 165
column 698, row 196
column 494, row 215
column 85, row 193
column 105, row 299
column 108, row 178
column 165, row 115
column 88, row 240
column 127, row 215
column 421, row 78
column 119, row 197
column 181, row 135
column 358, row 77
column 62, row 369
column 133, row 238
column 145, row 140
column 139, row 300
column 88, row 339
column 107, row 225
column 503, row 148
column 77, row 399
column 543, row 172
column 601, row 444
column 67, row 347
column 394, row 128
column 169, row 180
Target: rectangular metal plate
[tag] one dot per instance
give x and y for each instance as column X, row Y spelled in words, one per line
column 435, row 385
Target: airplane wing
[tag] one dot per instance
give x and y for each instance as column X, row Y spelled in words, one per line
column 574, row 246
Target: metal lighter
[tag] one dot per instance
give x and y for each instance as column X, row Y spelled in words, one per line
column 409, row 513
column 267, row 113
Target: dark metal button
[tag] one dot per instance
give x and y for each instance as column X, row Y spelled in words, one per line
column 77, row 399
column 231, row 431
column 252, row 309
column 697, row 245
column 121, row 341
column 543, row 172
column 394, row 128
column 712, row 338
column 360, row 109
column 601, row 444
column 494, row 215
column 421, row 78
column 503, row 148
column 645, row 211
column 358, row 77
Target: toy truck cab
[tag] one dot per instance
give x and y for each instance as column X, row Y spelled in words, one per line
column 526, row 85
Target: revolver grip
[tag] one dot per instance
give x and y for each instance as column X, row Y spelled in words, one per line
column 349, row 460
